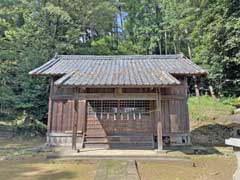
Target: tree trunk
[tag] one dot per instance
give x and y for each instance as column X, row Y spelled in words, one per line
column 165, row 37
column 175, row 48
column 27, row 120
column 160, row 47
column 189, row 52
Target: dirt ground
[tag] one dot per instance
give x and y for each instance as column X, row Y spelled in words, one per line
column 205, row 167
column 37, row 168
column 210, row 167
column 218, row 164
column 34, row 166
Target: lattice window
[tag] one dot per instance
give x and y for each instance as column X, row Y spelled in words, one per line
column 119, row 109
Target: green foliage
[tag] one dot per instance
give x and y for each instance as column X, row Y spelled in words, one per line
column 31, row 32
column 206, row 108
column 35, row 128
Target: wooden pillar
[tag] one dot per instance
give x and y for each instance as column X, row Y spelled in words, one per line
column 186, row 110
column 197, row 92
column 82, row 108
column 75, row 120
column 186, row 101
column 212, row 92
column 50, row 106
column 159, row 120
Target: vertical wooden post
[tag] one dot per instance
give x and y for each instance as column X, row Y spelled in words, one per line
column 212, row 92
column 159, row 120
column 83, row 113
column 75, row 120
column 187, row 113
column 50, row 106
column 196, row 86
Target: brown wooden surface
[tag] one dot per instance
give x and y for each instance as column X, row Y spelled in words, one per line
column 113, row 124
column 82, row 113
column 75, row 122
column 50, row 106
column 159, row 121
column 174, row 116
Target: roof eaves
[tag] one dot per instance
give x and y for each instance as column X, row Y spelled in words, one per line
column 65, row 78
column 47, row 65
column 198, row 69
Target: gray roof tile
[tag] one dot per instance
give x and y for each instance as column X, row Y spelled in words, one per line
column 128, row 70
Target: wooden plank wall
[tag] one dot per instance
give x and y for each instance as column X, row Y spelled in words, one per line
column 62, row 111
column 174, row 116
column 174, row 110
column 62, row 118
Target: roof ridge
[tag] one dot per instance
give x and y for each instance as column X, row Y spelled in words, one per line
column 119, row 57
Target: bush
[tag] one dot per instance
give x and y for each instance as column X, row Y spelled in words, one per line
column 35, row 128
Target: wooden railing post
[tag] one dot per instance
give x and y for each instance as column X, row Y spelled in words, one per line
column 50, row 106
column 75, row 120
column 159, row 120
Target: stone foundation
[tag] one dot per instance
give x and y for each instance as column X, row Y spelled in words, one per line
column 62, row 139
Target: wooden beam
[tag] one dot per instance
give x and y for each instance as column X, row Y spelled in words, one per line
column 82, row 111
column 114, row 96
column 75, row 120
column 172, row 97
column 50, row 106
column 63, row 97
column 186, row 109
column 111, row 96
column 159, row 120
column 118, row 90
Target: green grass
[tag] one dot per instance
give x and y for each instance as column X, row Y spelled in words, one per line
column 206, row 108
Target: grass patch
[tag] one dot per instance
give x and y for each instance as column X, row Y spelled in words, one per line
column 38, row 168
column 214, row 167
column 17, row 145
column 206, row 108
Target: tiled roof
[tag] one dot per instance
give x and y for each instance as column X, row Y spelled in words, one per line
column 132, row 70
column 100, row 78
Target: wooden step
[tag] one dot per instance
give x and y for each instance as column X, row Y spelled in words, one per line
column 121, row 142
column 96, row 134
column 98, row 127
column 96, row 145
column 98, row 130
column 130, row 138
column 92, row 119
column 96, row 139
column 131, row 146
column 96, row 142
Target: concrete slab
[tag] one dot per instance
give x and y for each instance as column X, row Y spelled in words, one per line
column 236, row 175
column 117, row 154
column 235, row 142
column 121, row 170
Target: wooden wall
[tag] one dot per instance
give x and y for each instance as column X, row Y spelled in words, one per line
column 62, row 117
column 173, row 104
column 174, row 109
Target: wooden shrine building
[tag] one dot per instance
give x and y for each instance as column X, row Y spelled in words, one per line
column 130, row 101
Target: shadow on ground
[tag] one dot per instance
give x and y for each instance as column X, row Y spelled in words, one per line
column 212, row 134
column 40, row 169
column 206, row 138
